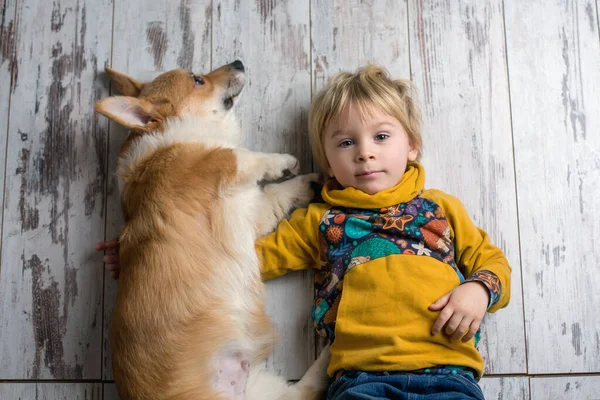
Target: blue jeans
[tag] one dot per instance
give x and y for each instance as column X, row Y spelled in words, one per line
column 403, row 385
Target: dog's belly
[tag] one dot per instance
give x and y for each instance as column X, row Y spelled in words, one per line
column 232, row 375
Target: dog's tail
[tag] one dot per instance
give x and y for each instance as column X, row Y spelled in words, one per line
column 264, row 385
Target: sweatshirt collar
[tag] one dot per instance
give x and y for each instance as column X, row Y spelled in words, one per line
column 411, row 183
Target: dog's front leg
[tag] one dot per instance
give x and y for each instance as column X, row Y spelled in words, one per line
column 254, row 166
column 279, row 198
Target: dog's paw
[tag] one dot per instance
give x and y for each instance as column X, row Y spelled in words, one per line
column 301, row 189
column 279, row 163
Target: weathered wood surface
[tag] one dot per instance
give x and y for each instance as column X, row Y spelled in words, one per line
column 348, row 34
column 493, row 75
column 51, row 391
column 7, row 63
column 555, row 81
column 148, row 40
column 565, row 388
column 109, row 392
column 506, row 388
column 459, row 65
column 51, row 286
column 272, row 39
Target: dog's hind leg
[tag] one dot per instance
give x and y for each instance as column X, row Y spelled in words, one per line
column 279, row 198
column 254, row 166
column 312, row 386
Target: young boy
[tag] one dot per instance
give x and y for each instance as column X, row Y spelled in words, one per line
column 403, row 276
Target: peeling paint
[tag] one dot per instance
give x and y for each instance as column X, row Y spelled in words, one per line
column 539, row 281
column 49, row 327
column 30, row 216
column 558, row 253
column 580, row 187
column 293, row 48
column 8, row 49
column 476, row 32
column 7, row 45
column 574, row 114
column 57, row 19
column 265, row 8
column 157, row 39
column 589, row 12
column 186, row 52
column 576, row 338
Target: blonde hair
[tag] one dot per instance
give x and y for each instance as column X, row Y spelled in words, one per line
column 369, row 89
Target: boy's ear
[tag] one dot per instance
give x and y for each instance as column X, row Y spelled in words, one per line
column 125, row 85
column 131, row 112
column 413, row 153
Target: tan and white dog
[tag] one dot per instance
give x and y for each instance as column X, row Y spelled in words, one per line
column 189, row 320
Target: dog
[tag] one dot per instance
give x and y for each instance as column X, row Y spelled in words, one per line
column 189, row 320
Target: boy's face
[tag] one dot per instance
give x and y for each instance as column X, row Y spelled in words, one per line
column 369, row 155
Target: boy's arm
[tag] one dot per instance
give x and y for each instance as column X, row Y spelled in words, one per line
column 479, row 260
column 294, row 245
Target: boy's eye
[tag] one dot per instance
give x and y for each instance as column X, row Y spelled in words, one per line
column 198, row 81
column 346, row 143
column 381, row 136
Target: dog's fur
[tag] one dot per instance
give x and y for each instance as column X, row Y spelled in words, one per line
column 189, row 320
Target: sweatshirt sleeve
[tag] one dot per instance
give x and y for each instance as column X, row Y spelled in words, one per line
column 476, row 257
column 294, row 245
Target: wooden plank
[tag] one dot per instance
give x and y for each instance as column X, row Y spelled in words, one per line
column 507, row 388
column 50, row 291
column 51, row 391
column 555, row 81
column 565, row 387
column 7, row 62
column 147, row 40
column 109, row 392
column 348, row 34
column 458, row 63
column 272, row 39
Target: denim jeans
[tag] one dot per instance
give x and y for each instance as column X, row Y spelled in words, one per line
column 403, row 385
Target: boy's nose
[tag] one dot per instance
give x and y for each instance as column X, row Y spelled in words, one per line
column 364, row 154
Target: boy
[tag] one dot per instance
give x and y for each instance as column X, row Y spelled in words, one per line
column 403, row 277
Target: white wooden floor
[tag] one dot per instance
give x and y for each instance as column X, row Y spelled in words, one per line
column 511, row 98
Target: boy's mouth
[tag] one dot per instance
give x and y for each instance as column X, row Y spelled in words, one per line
column 369, row 174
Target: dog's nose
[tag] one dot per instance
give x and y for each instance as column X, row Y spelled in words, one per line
column 237, row 64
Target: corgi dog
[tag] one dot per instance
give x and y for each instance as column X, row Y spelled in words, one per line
column 189, row 320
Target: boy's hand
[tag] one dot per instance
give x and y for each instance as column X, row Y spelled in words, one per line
column 462, row 310
column 111, row 257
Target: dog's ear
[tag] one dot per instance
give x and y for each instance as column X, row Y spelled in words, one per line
column 125, row 85
column 131, row 112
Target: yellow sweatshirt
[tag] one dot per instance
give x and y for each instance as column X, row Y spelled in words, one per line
column 381, row 260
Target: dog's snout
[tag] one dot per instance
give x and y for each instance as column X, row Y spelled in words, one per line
column 237, row 64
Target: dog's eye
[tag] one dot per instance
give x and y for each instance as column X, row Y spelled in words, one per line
column 198, row 81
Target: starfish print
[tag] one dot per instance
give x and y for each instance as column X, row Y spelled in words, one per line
column 397, row 222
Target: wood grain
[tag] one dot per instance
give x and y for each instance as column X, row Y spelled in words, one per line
column 347, row 34
column 565, row 387
column 7, row 68
column 51, row 391
column 272, row 40
column 506, row 388
column 51, row 288
column 555, row 81
column 459, row 64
